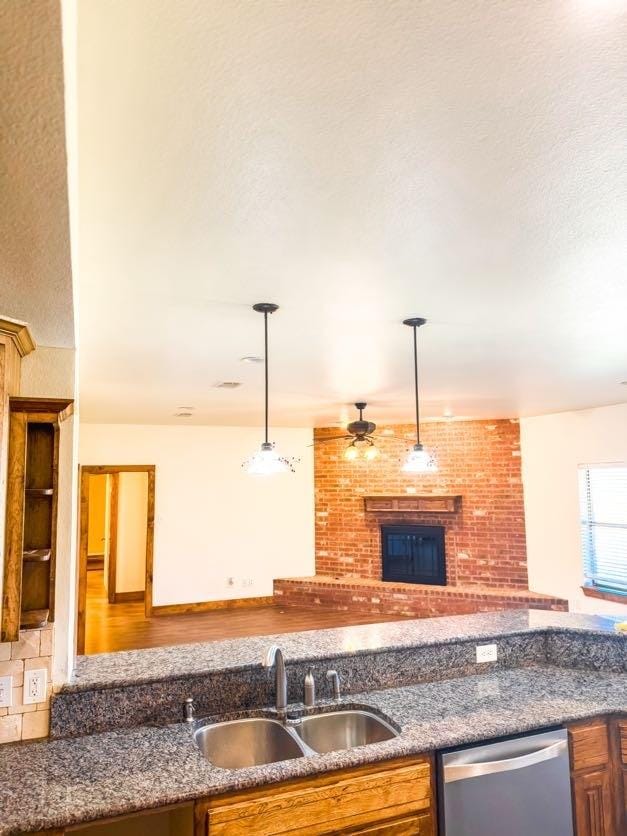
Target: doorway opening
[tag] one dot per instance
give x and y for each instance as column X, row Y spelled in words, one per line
column 115, row 541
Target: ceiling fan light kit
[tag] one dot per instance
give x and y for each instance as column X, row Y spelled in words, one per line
column 360, row 436
column 266, row 460
column 418, row 459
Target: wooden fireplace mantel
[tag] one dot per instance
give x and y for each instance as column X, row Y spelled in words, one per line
column 409, row 503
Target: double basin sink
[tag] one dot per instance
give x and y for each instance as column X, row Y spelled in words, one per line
column 254, row 741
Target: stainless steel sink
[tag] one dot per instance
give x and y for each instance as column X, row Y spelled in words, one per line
column 235, row 744
column 343, row 730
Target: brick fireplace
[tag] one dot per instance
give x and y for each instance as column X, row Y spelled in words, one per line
column 475, row 498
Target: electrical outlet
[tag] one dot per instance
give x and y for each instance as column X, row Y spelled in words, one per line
column 248, row 582
column 6, row 691
column 35, row 683
column 486, row 653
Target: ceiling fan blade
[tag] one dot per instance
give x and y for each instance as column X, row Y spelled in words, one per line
column 330, row 438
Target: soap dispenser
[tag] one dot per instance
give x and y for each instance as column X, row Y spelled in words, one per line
column 310, row 689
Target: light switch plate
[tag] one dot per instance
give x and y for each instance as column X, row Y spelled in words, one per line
column 6, row 691
column 486, row 653
column 35, row 683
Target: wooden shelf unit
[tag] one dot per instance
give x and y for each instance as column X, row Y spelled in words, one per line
column 31, row 513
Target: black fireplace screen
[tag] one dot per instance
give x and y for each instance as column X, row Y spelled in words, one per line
column 413, row 554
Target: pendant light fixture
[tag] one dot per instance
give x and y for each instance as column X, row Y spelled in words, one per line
column 418, row 459
column 266, row 461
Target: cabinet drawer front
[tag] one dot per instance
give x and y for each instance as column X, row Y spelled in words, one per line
column 589, row 746
column 326, row 806
column 407, row 826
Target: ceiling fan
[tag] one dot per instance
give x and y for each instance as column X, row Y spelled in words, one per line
column 360, row 432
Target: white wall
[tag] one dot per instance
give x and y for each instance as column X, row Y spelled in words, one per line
column 213, row 521
column 552, row 447
column 130, row 568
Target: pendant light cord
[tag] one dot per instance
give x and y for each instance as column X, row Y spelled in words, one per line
column 415, row 329
column 265, row 327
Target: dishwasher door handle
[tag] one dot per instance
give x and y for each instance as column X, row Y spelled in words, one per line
column 461, row 771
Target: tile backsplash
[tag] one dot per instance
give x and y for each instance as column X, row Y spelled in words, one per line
column 32, row 652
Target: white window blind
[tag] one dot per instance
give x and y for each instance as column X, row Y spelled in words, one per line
column 603, row 496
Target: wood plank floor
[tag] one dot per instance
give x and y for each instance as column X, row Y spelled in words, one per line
column 111, row 627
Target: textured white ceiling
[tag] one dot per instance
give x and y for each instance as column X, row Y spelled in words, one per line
column 356, row 161
column 35, row 271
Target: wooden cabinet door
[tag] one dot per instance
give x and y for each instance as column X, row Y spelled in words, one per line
column 592, row 776
column 593, row 804
column 618, row 732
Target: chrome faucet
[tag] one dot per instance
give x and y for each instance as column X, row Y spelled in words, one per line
column 334, row 679
column 274, row 656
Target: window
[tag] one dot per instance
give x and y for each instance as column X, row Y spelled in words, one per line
column 603, row 497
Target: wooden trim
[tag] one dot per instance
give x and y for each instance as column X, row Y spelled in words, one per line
column 53, row 533
column 83, row 529
column 595, row 592
column 19, row 333
column 618, row 760
column 14, row 530
column 97, row 470
column 208, row 606
column 150, row 542
column 125, row 597
column 58, row 409
column 113, row 534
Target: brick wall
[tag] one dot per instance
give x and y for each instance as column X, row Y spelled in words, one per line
column 485, row 540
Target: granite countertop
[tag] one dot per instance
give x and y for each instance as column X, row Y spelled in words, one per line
column 110, row 670
column 46, row 784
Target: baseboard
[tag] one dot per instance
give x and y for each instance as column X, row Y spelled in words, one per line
column 95, row 562
column 125, row 597
column 208, row 606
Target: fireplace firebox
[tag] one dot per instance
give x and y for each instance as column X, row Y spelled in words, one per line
column 413, row 554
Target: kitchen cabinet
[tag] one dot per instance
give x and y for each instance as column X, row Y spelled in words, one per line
column 391, row 798
column 618, row 739
column 31, row 514
column 386, row 799
column 598, row 754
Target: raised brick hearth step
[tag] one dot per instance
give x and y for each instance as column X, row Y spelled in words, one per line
column 420, row 601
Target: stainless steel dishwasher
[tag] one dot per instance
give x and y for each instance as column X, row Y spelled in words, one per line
column 518, row 787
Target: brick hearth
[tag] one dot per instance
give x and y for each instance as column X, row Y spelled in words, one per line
column 420, row 601
column 486, row 562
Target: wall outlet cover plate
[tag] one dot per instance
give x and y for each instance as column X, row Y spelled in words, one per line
column 35, row 686
column 486, row 653
column 6, row 691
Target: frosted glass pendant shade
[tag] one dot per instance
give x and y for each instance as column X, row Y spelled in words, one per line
column 267, row 461
column 420, row 460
